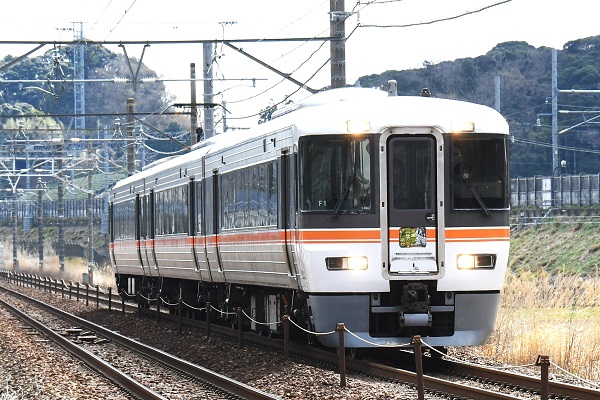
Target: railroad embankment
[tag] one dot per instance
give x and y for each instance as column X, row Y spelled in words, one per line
column 556, row 246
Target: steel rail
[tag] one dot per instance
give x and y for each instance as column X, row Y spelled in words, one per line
column 126, row 382
column 523, row 381
column 215, row 379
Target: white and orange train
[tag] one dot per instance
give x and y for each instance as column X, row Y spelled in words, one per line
column 386, row 213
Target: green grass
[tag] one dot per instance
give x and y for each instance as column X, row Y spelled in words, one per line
column 556, row 247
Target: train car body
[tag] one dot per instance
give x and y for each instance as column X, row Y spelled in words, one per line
column 386, row 213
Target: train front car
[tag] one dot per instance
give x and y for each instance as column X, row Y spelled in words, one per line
column 403, row 219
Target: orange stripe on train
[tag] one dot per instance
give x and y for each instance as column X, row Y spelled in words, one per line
column 370, row 235
column 324, row 236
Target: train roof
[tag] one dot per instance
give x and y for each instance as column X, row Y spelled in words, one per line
column 383, row 111
column 328, row 112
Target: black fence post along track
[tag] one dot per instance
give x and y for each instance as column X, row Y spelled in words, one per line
column 544, row 363
column 340, row 328
column 286, row 337
column 158, row 307
column 419, row 367
column 208, row 319
column 179, row 303
column 240, row 327
column 110, row 299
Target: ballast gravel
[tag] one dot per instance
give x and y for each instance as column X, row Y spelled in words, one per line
column 29, row 370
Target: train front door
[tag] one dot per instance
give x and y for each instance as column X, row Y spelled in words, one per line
column 412, row 164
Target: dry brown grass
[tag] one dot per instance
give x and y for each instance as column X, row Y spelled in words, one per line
column 74, row 270
column 554, row 315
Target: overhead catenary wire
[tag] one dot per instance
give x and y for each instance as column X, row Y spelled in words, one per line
column 436, row 20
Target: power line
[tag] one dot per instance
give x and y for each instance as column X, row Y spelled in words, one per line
column 89, row 115
column 121, row 19
column 437, row 20
column 561, row 147
column 156, row 42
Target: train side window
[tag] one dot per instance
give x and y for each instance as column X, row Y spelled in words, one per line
column 124, row 220
column 249, row 197
column 171, row 210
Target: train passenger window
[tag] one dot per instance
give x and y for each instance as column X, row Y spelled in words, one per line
column 249, row 197
column 336, row 174
column 479, row 172
column 171, row 211
column 124, row 220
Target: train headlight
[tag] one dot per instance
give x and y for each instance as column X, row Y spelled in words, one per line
column 476, row 261
column 358, row 126
column 462, row 126
column 346, row 263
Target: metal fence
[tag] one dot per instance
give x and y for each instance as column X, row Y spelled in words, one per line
column 75, row 210
column 557, row 191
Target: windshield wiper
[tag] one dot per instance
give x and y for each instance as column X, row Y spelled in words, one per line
column 484, row 208
column 342, row 197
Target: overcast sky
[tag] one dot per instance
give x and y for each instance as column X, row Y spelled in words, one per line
column 379, row 38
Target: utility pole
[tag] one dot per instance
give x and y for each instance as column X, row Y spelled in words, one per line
column 209, row 110
column 337, row 18
column 104, row 224
column 40, row 215
column 60, row 207
column 194, row 110
column 90, row 212
column 130, row 138
column 554, row 111
column 14, row 229
column 14, row 206
column 79, row 75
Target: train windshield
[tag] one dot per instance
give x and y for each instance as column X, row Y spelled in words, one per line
column 336, row 174
column 480, row 173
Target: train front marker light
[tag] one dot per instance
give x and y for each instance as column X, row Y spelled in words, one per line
column 346, row 263
column 476, row 261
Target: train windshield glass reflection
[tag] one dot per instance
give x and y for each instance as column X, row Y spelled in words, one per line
column 480, row 172
column 335, row 174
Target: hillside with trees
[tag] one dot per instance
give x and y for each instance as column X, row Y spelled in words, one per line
column 526, row 90
column 105, row 96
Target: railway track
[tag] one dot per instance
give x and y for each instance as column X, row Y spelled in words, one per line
column 523, row 382
column 96, row 363
column 458, row 379
column 216, row 386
